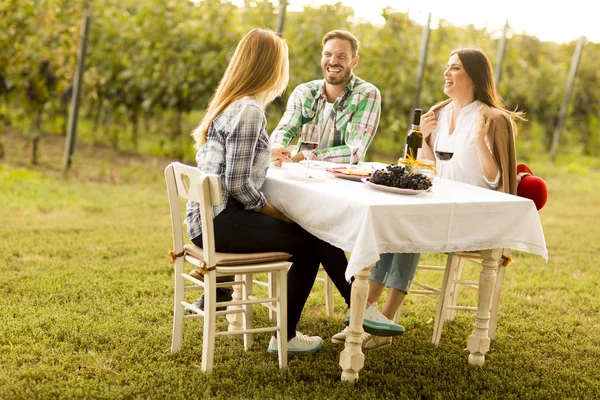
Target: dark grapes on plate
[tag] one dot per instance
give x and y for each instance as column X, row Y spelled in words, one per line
column 398, row 176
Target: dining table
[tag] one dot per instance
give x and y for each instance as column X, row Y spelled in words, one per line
column 366, row 221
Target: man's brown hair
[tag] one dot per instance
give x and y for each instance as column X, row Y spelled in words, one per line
column 345, row 35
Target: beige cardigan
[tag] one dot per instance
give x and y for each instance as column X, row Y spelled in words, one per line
column 502, row 136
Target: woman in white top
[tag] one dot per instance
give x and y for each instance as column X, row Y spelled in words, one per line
column 475, row 129
column 473, row 124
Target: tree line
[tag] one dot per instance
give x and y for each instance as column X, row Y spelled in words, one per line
column 152, row 64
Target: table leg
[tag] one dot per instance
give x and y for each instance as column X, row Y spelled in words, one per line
column 352, row 358
column 479, row 341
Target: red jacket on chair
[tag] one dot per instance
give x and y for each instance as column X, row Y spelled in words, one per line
column 531, row 187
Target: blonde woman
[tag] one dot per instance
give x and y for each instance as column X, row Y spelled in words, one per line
column 233, row 142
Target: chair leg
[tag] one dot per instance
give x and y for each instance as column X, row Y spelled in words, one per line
column 179, row 283
column 235, row 320
column 246, row 292
column 210, row 309
column 440, row 317
column 272, row 280
column 328, row 294
column 282, row 317
column 450, row 314
column 496, row 301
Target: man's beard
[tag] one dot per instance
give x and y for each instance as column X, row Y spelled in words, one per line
column 343, row 77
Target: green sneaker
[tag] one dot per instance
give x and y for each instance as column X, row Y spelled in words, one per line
column 377, row 324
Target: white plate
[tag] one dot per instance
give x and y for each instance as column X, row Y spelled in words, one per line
column 392, row 189
column 343, row 175
column 356, row 178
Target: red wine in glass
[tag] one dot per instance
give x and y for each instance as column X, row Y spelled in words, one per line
column 307, row 148
column 444, row 155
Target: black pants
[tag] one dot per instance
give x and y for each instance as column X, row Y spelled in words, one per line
column 243, row 231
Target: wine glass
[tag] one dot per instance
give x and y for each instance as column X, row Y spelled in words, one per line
column 309, row 141
column 443, row 153
column 353, row 139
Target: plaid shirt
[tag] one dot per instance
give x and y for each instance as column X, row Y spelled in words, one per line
column 237, row 149
column 360, row 102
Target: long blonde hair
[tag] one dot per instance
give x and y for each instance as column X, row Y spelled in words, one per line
column 259, row 68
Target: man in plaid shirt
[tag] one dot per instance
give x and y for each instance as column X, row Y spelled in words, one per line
column 329, row 105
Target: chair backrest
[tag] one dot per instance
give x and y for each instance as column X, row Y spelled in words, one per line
column 205, row 189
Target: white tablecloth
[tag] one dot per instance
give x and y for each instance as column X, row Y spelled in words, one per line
column 366, row 222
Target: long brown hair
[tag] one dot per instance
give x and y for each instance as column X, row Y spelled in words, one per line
column 259, row 67
column 479, row 68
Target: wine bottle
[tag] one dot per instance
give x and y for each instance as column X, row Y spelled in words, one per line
column 414, row 139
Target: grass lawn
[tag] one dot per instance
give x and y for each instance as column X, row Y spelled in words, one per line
column 86, row 301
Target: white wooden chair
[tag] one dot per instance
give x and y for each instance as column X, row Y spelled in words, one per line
column 272, row 287
column 447, row 304
column 191, row 184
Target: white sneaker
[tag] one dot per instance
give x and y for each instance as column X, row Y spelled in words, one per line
column 377, row 324
column 341, row 336
column 298, row 345
column 376, row 343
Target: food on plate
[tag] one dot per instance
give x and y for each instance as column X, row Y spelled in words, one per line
column 350, row 171
column 400, row 177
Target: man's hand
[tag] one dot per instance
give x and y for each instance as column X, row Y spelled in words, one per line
column 279, row 155
column 298, row 157
column 428, row 123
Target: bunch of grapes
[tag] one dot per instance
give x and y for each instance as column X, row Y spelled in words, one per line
column 399, row 176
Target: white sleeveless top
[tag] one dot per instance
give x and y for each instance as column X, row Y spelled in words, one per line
column 464, row 166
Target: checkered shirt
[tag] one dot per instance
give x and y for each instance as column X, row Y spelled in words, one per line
column 237, row 149
column 360, row 102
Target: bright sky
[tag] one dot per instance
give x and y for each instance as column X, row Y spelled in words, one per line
column 559, row 21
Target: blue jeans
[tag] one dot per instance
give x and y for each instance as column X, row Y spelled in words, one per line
column 396, row 270
column 237, row 230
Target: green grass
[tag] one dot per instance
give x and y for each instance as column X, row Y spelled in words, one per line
column 86, row 300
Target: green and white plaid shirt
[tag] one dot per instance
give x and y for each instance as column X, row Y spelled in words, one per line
column 360, row 102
